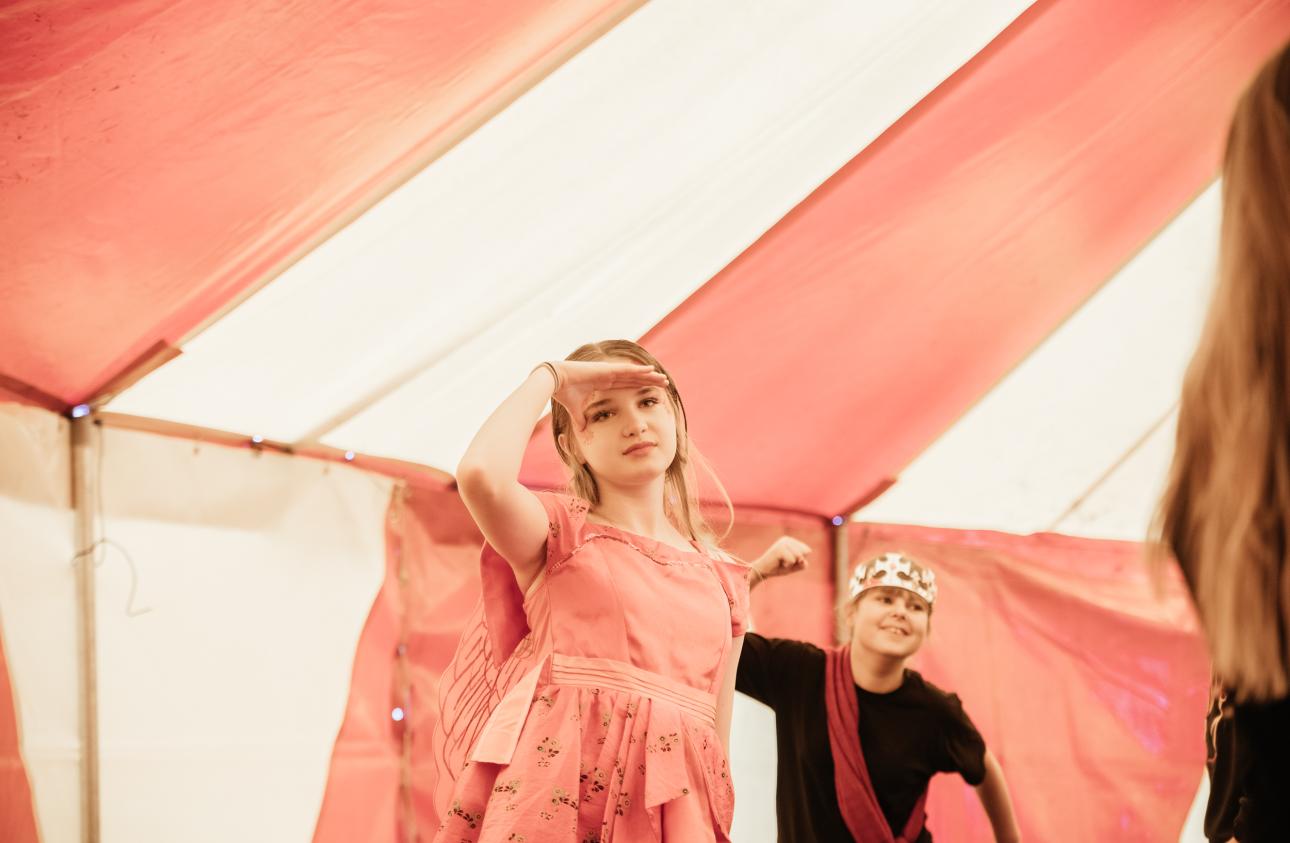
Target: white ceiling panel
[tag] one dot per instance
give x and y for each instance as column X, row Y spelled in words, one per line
column 589, row 209
column 1083, row 411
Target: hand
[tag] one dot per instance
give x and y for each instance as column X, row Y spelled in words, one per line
column 786, row 555
column 578, row 381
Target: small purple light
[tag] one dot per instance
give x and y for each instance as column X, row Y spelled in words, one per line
column 80, row 411
column 397, row 714
column 349, row 456
column 257, row 439
column 837, row 520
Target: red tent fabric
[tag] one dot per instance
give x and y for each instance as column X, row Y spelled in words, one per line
column 1089, row 688
column 366, row 762
column 165, row 158
column 17, row 811
column 841, row 344
column 161, row 158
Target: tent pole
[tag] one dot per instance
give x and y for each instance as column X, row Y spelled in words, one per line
column 85, row 494
column 841, row 574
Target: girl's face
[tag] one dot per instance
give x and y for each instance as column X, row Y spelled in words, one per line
column 630, row 435
column 890, row 622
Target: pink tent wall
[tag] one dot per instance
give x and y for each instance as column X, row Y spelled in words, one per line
column 17, row 812
column 1090, row 689
column 378, row 783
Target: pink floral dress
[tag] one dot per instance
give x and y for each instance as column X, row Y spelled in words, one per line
column 598, row 721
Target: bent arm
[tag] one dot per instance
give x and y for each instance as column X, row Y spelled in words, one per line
column 993, row 793
column 511, row 517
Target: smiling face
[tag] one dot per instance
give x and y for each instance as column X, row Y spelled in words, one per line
column 889, row 622
column 630, row 436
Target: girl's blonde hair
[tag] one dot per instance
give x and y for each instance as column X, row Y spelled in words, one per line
column 681, row 500
column 1225, row 510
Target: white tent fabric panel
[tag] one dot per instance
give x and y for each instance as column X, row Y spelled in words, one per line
column 38, row 611
column 1194, row 828
column 753, row 756
column 1123, row 503
column 1046, row 436
column 590, row 208
column 230, row 604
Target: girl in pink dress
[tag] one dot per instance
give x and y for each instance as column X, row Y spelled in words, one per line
column 591, row 701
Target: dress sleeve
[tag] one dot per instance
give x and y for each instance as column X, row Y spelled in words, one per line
column 779, row 672
column 492, row 655
column 964, row 747
column 503, row 600
column 734, row 580
column 1262, row 737
column 755, row 677
column 566, row 516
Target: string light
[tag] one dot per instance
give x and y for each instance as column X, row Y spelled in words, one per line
column 257, row 439
column 80, row 411
column 349, row 456
column 837, row 520
column 397, row 714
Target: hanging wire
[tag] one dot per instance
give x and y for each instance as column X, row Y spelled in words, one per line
column 130, row 610
column 101, row 518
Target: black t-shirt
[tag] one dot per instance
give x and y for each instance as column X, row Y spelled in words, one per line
column 1249, row 769
column 1249, row 766
column 906, row 736
column 1225, row 769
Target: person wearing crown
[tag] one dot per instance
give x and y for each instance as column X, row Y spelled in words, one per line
column 859, row 734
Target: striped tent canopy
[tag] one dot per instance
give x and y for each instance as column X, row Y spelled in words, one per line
column 927, row 273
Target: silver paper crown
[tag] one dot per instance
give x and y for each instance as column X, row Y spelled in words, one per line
column 894, row 570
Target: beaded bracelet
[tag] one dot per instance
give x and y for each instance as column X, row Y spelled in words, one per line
column 555, row 374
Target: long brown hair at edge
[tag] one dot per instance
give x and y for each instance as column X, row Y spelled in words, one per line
column 1225, row 509
column 680, row 502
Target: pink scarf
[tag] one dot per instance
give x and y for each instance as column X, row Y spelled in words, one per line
column 856, row 799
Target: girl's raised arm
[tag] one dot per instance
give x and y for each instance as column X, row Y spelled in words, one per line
column 510, row 516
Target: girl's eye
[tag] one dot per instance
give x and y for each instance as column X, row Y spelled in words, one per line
column 600, row 415
column 649, row 402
